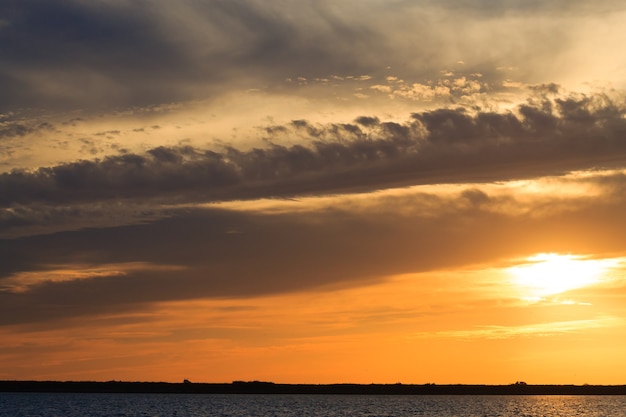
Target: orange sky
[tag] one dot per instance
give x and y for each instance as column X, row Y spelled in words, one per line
column 372, row 191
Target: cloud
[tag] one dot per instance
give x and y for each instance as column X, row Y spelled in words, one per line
column 26, row 281
column 532, row 330
column 76, row 53
column 532, row 7
column 94, row 236
column 73, row 54
column 543, row 136
column 12, row 129
column 342, row 241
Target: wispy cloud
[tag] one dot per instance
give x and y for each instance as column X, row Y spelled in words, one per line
column 530, row 330
column 24, row 281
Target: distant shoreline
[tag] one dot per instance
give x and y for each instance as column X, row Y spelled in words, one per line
column 257, row 387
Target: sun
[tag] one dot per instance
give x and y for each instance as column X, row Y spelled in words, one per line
column 547, row 274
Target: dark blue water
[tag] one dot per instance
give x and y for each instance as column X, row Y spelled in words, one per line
column 196, row 405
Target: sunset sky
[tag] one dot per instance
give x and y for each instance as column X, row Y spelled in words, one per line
column 313, row 191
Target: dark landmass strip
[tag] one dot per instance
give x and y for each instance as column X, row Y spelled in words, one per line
column 257, row 387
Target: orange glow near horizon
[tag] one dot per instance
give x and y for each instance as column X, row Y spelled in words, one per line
column 526, row 316
column 412, row 328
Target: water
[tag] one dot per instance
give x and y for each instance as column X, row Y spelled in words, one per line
column 200, row 405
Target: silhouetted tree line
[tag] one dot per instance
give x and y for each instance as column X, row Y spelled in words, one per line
column 260, row 387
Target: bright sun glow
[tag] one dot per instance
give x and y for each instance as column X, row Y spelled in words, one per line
column 550, row 273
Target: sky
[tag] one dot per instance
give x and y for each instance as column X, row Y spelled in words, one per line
column 312, row 191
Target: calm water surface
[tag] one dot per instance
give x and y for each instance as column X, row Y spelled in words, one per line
column 197, row 405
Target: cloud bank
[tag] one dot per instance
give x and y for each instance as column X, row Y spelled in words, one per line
column 544, row 137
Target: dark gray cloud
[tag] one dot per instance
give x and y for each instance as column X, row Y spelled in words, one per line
column 99, row 54
column 221, row 253
column 13, row 129
column 65, row 52
column 445, row 145
column 76, row 54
